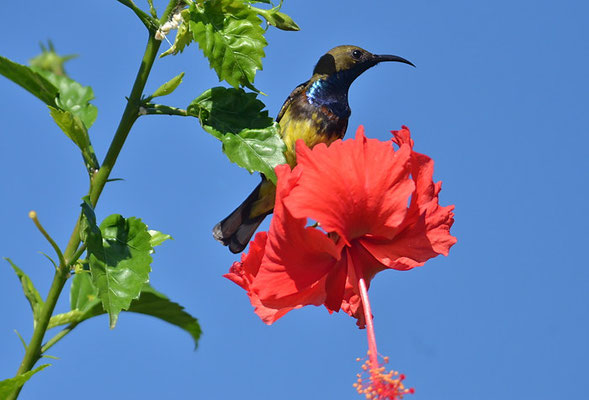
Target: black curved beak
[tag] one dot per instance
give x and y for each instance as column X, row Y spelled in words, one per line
column 386, row 57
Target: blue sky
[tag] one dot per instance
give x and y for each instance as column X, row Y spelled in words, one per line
column 498, row 100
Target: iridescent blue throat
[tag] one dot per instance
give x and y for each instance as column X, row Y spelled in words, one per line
column 332, row 92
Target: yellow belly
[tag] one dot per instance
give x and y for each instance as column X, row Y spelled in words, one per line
column 293, row 129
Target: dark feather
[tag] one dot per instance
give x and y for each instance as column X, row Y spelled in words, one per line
column 290, row 98
column 238, row 227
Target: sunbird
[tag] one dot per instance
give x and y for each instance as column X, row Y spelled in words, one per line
column 317, row 111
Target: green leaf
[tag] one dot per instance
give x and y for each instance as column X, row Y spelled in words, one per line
column 68, row 101
column 75, row 129
column 231, row 36
column 22, row 340
column 256, row 150
column 83, row 296
column 158, row 305
column 121, row 264
column 50, row 259
column 89, row 231
column 73, row 96
column 250, row 138
column 221, row 110
column 8, row 386
column 278, row 19
column 119, row 261
column 30, row 80
column 158, row 238
column 119, row 267
column 282, row 21
column 65, row 318
column 29, row 290
column 54, row 90
column 183, row 37
column 51, row 61
column 168, row 87
column 72, row 126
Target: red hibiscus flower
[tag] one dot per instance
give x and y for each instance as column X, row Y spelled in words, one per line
column 376, row 209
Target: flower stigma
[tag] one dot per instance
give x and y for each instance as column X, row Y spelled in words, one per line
column 376, row 383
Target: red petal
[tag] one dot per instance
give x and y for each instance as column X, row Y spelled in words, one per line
column 336, row 284
column 425, row 202
column 425, row 233
column 297, row 260
column 244, row 272
column 353, row 187
column 410, row 249
column 403, row 137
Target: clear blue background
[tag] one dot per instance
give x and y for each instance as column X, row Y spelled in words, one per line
column 499, row 100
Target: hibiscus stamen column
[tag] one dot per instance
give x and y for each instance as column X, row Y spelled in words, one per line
column 381, row 384
column 372, row 351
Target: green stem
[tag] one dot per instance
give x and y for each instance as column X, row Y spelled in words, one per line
column 150, row 22
column 33, row 352
column 129, row 117
column 169, row 9
column 34, row 349
column 159, row 109
column 33, row 216
column 77, row 255
column 152, row 9
column 58, row 337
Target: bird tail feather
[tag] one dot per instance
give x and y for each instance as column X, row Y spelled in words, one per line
column 236, row 230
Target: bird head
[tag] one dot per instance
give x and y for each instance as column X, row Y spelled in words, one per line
column 350, row 62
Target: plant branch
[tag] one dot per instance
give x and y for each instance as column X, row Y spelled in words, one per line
column 33, row 352
column 59, row 336
column 169, row 9
column 129, row 117
column 34, row 349
column 152, row 9
column 150, row 22
column 33, row 216
column 77, row 255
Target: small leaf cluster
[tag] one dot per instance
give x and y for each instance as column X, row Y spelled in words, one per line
column 114, row 277
column 250, row 137
column 119, row 262
column 231, row 37
column 68, row 101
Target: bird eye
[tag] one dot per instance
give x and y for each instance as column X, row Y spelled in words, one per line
column 356, row 54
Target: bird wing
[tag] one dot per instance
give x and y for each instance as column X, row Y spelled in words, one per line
column 290, row 98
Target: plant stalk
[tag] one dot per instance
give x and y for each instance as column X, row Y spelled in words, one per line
column 33, row 352
column 33, row 216
column 129, row 117
column 59, row 336
column 149, row 21
column 130, row 114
